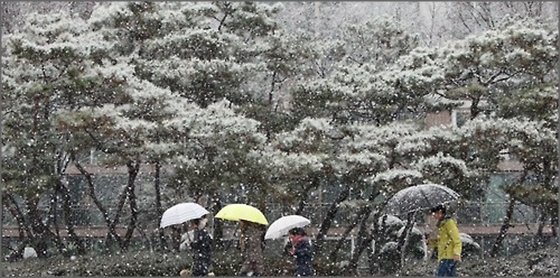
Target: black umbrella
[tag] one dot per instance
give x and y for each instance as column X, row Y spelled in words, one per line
column 415, row 198
column 420, row 197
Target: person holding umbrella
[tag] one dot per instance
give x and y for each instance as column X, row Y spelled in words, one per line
column 251, row 239
column 202, row 247
column 301, row 250
column 447, row 242
column 251, row 245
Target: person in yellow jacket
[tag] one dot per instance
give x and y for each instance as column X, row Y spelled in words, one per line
column 448, row 242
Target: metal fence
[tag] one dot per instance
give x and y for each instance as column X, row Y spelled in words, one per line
column 472, row 213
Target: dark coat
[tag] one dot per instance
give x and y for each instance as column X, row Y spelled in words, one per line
column 202, row 252
column 251, row 250
column 304, row 258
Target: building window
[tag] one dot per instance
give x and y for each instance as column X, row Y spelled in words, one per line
column 460, row 117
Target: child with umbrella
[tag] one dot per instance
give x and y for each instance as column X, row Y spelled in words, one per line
column 447, row 242
column 301, row 250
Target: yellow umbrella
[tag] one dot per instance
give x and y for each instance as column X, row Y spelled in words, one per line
column 236, row 212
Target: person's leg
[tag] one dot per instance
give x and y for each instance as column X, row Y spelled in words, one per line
column 446, row 268
column 199, row 269
column 440, row 270
column 443, row 268
column 197, row 273
column 256, row 266
column 452, row 271
column 244, row 271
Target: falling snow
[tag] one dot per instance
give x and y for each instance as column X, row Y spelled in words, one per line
column 114, row 112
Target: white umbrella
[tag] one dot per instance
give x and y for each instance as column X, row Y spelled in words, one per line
column 181, row 213
column 283, row 224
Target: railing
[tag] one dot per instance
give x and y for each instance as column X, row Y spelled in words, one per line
column 470, row 214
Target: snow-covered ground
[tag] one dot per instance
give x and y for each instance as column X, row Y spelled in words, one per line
column 542, row 262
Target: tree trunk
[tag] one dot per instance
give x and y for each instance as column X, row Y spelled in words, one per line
column 23, row 228
column 505, row 226
column 52, row 219
column 218, row 232
column 378, row 234
column 40, row 236
column 364, row 239
column 403, row 239
column 362, row 215
column 68, row 215
column 304, row 195
column 542, row 223
column 554, row 225
column 111, row 233
column 334, row 253
column 157, row 187
column 329, row 217
column 363, row 244
column 133, row 168
column 370, row 256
